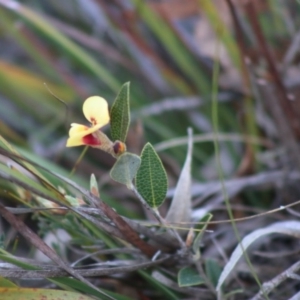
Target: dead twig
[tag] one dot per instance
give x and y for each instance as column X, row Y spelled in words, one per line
column 36, row 241
column 95, row 272
column 267, row 287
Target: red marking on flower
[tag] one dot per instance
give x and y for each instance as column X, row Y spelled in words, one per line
column 93, row 121
column 90, row 140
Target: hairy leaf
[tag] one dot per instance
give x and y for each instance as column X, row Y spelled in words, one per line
column 120, row 114
column 188, row 276
column 125, row 168
column 151, row 179
column 213, row 271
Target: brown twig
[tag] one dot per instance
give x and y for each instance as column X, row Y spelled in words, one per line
column 165, row 241
column 122, row 229
column 36, row 241
column 131, row 236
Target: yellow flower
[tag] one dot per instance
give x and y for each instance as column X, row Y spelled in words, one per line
column 95, row 109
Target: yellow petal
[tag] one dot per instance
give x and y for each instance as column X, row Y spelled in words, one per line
column 82, row 135
column 77, row 128
column 95, row 109
column 73, row 141
column 79, row 140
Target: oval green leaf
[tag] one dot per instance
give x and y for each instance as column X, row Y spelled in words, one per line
column 188, row 276
column 120, row 115
column 125, row 168
column 213, row 271
column 151, row 178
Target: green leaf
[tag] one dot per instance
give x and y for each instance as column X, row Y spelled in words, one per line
column 213, row 271
column 7, row 257
column 120, row 115
column 188, row 276
column 125, row 168
column 151, row 178
column 5, row 283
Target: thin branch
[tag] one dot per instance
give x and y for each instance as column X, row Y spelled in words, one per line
column 54, row 272
column 36, row 241
column 130, row 235
column 122, row 230
column 267, row 287
column 158, row 217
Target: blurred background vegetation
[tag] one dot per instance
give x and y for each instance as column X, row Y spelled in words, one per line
column 169, row 51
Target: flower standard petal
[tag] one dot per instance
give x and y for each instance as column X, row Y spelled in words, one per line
column 95, row 109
